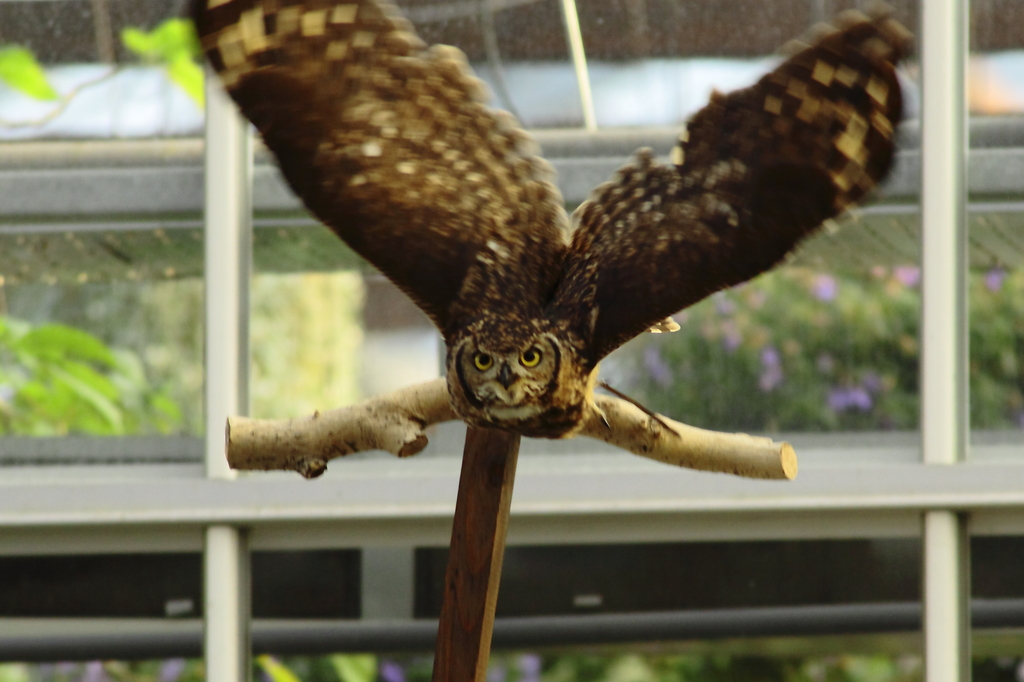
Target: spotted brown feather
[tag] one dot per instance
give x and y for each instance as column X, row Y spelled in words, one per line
column 391, row 145
column 756, row 172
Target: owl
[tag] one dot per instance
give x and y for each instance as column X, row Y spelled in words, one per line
column 391, row 145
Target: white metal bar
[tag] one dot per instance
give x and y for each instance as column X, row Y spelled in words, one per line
column 579, row 62
column 944, row 233
column 609, row 485
column 946, row 609
column 944, row 408
column 228, row 208
column 227, row 615
column 228, row 257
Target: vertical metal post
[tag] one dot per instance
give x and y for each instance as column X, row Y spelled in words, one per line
column 579, row 62
column 228, row 258
column 226, row 597
column 944, row 407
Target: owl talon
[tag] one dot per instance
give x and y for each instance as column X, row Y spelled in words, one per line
column 619, row 394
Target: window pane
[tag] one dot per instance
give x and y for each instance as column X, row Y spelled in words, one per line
column 637, row 578
column 519, row 48
column 98, row 69
column 830, row 342
column 996, row 229
column 100, row 242
column 996, row 68
column 307, row 584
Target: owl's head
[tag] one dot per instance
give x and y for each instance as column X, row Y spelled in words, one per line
column 515, row 375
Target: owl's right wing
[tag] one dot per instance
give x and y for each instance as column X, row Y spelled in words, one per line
column 391, row 146
column 760, row 170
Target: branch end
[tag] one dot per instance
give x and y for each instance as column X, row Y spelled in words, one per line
column 413, row 447
column 787, row 456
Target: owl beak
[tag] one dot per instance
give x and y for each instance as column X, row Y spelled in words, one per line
column 505, row 376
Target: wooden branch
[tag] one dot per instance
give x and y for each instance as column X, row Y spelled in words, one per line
column 687, row 446
column 396, row 422
column 475, row 556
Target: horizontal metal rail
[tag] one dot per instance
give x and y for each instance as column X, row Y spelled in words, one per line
column 584, row 492
column 153, row 190
column 144, row 639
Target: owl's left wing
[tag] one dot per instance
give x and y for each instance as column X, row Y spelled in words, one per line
column 759, row 170
column 391, row 146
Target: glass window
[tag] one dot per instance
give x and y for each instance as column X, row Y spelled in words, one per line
column 637, row 578
column 829, row 342
column 996, row 230
column 308, row 584
column 100, row 248
column 81, row 69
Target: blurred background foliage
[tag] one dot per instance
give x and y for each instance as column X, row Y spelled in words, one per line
column 56, row 379
column 530, row 667
column 126, row 357
column 794, row 350
column 804, row 350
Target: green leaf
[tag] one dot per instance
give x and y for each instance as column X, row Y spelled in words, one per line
column 90, row 395
column 275, row 669
column 56, row 342
column 184, row 71
column 20, row 70
column 355, row 667
column 164, row 43
column 91, row 378
column 175, row 45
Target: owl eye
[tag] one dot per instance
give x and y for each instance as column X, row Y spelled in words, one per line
column 483, row 361
column 530, row 357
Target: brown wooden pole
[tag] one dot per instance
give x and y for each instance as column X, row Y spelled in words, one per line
column 474, row 558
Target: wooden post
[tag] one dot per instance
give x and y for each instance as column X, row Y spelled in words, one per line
column 474, row 558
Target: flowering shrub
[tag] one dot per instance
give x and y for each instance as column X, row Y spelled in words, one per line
column 595, row 665
column 803, row 350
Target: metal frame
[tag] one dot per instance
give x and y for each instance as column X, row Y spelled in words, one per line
column 579, row 62
column 228, row 259
column 944, row 407
column 51, row 639
column 890, row 486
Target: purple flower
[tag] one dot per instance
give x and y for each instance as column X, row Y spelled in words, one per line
column 771, row 374
column 907, row 275
column 171, row 669
column 529, row 668
column 871, row 381
column 1020, row 419
column 994, row 279
column 825, row 288
column 94, row 672
column 656, row 366
column 391, row 671
column 843, row 398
